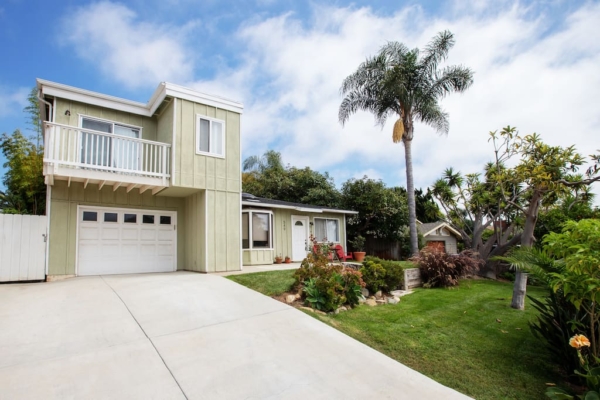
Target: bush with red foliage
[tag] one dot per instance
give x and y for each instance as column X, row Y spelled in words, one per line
column 439, row 269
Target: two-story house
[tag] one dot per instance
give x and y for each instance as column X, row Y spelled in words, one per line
column 136, row 187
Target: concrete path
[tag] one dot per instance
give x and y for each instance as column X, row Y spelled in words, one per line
column 183, row 335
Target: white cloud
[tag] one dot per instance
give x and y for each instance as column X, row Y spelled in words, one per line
column 129, row 51
column 526, row 75
column 13, row 100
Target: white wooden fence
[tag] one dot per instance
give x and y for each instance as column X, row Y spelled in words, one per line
column 22, row 247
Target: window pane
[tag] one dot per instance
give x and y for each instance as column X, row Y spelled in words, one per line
column 111, row 217
column 130, row 218
column 217, row 138
column 245, row 231
column 204, row 135
column 127, row 131
column 332, row 230
column 90, row 216
column 261, row 232
column 320, row 230
column 94, row 125
column 148, row 219
column 165, row 220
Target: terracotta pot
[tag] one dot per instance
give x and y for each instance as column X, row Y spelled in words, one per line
column 359, row 256
column 278, row 260
column 288, row 260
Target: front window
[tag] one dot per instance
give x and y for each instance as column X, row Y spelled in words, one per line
column 257, row 230
column 210, row 136
column 327, row 230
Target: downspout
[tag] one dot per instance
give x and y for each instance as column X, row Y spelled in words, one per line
column 48, row 190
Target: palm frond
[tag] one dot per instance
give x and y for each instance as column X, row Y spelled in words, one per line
column 455, row 78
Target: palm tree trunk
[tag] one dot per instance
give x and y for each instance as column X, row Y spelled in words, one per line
column 410, row 194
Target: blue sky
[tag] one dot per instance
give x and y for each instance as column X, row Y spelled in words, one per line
column 535, row 66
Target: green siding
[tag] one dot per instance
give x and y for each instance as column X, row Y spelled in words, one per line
column 200, row 171
column 195, row 232
column 63, row 218
column 282, row 235
column 164, row 132
column 148, row 125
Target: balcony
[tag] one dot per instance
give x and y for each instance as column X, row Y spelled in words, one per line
column 88, row 156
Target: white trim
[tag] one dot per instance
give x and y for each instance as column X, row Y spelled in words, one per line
column 48, row 207
column 109, row 121
column 123, row 209
column 223, row 136
column 206, row 231
column 442, row 225
column 297, row 208
column 345, row 235
column 163, row 90
column 338, row 228
column 173, row 140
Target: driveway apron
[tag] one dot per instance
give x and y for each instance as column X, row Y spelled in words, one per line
column 183, row 335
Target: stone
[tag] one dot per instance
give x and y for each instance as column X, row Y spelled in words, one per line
column 400, row 293
column 371, row 302
column 290, row 298
column 378, row 294
column 380, row 301
column 393, row 300
column 343, row 308
column 361, row 300
column 298, row 296
column 365, row 292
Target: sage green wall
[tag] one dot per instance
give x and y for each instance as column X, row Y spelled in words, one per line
column 282, row 235
column 195, row 244
column 148, row 125
column 205, row 172
column 164, row 133
column 223, row 239
column 63, row 218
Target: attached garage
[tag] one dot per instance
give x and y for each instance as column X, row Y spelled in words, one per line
column 125, row 241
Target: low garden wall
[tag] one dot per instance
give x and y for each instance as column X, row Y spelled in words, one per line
column 412, row 278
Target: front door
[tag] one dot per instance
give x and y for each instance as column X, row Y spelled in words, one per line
column 299, row 237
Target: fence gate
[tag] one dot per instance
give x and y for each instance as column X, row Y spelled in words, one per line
column 22, row 247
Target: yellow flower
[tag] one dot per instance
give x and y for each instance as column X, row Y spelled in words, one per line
column 578, row 341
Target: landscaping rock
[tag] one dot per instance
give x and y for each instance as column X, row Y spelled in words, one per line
column 371, row 302
column 290, row 298
column 313, row 310
column 393, row 300
column 378, row 294
column 339, row 310
column 400, row 293
column 380, row 301
column 361, row 300
column 365, row 292
column 298, row 296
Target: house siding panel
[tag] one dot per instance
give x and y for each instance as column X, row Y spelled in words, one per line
column 148, row 125
column 63, row 219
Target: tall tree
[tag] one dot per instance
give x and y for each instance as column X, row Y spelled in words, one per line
column 542, row 175
column 407, row 85
column 24, row 179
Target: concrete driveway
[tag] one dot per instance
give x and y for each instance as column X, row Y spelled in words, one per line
column 183, row 335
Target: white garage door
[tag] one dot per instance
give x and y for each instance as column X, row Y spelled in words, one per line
column 126, row 241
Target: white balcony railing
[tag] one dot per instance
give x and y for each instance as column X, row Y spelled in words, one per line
column 68, row 146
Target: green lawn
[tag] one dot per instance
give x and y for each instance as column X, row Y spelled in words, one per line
column 450, row 335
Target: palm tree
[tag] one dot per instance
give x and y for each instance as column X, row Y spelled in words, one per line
column 270, row 160
column 408, row 85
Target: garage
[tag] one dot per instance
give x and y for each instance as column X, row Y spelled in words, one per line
column 125, row 241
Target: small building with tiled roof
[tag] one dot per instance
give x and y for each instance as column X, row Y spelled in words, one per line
column 272, row 228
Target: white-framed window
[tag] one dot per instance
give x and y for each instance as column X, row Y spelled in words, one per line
column 257, row 230
column 327, row 230
column 112, row 149
column 210, row 136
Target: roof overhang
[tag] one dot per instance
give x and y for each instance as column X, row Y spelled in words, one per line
column 162, row 91
column 443, row 225
column 299, row 209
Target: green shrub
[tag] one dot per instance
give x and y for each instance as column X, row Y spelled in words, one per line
column 374, row 276
column 328, row 286
column 394, row 272
column 439, row 269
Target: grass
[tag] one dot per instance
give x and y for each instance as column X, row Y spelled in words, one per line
column 450, row 335
column 271, row 283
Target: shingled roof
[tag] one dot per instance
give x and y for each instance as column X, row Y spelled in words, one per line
column 254, row 201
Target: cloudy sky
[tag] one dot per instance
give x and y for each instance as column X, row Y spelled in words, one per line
column 536, row 67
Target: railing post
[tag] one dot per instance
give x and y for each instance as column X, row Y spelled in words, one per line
column 164, row 165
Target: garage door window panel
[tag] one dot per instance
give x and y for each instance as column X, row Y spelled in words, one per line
column 148, row 219
column 90, row 216
column 111, row 217
column 130, row 218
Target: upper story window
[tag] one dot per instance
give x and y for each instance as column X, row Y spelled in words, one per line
column 327, row 230
column 210, row 136
column 114, row 149
column 110, row 127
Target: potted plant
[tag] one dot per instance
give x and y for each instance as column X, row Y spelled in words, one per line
column 288, row 260
column 358, row 245
column 278, row 260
